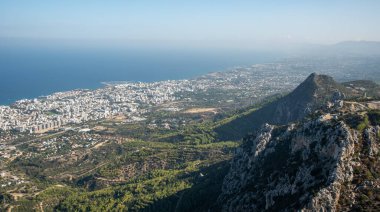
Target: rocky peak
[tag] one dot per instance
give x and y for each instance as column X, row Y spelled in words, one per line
column 315, row 92
column 318, row 87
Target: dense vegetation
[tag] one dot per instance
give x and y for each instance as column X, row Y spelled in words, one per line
column 193, row 185
column 135, row 168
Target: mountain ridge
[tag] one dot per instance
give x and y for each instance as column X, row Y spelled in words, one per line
column 310, row 95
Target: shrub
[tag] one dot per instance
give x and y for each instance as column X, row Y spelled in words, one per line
column 364, row 124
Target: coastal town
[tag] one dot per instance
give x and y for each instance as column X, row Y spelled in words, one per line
column 133, row 100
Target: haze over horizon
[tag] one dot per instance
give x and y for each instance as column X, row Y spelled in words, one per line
column 49, row 46
column 222, row 24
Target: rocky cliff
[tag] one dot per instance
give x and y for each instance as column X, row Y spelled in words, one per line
column 327, row 162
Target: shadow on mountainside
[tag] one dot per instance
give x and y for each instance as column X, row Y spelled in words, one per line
column 201, row 196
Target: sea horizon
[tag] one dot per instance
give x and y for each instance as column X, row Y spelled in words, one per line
column 32, row 72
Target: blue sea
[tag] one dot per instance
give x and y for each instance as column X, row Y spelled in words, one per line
column 29, row 72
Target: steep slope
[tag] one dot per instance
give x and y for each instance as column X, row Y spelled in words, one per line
column 327, row 163
column 310, row 95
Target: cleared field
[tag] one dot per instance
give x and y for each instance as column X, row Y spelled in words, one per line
column 201, row 110
column 374, row 105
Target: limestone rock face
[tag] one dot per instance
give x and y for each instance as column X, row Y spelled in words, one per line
column 296, row 167
column 370, row 140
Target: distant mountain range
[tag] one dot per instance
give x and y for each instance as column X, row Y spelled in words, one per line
column 343, row 49
column 357, row 47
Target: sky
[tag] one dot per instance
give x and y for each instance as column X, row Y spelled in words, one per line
column 234, row 23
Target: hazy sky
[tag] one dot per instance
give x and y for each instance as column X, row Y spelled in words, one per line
column 219, row 22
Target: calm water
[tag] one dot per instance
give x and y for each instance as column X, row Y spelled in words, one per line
column 32, row 72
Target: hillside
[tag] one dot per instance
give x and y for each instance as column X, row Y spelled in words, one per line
column 363, row 88
column 310, row 95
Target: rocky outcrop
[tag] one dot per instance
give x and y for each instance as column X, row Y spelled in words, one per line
column 325, row 163
column 370, row 140
column 294, row 167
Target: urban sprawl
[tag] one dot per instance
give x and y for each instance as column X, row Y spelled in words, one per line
column 134, row 100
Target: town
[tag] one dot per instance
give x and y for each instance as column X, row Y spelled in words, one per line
column 239, row 86
column 135, row 99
